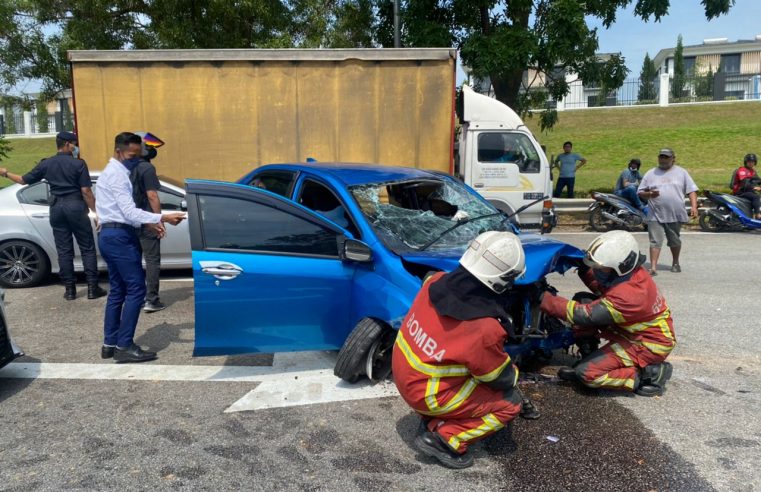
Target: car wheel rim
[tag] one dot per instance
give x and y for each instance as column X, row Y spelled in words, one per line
column 378, row 362
column 18, row 264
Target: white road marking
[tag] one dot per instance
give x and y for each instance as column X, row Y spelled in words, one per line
column 297, row 378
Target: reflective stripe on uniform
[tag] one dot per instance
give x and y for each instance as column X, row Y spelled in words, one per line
column 429, row 369
column 569, row 310
column 432, row 389
column 435, row 374
column 621, row 354
column 491, row 424
column 617, row 316
column 491, row 376
column 607, row 381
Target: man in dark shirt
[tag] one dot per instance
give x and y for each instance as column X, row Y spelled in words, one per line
column 145, row 191
column 70, row 197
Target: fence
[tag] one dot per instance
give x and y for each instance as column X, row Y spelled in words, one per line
column 27, row 123
column 635, row 91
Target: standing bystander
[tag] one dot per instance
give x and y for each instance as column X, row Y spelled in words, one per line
column 70, row 198
column 568, row 162
column 146, row 185
column 120, row 247
column 665, row 187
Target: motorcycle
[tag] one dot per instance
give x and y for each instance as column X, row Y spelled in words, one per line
column 610, row 211
column 727, row 213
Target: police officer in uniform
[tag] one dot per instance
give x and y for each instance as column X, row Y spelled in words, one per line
column 70, row 197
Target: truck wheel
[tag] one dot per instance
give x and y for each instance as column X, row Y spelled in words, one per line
column 22, row 264
column 366, row 352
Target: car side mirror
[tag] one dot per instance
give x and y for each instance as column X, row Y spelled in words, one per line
column 353, row 250
column 184, row 206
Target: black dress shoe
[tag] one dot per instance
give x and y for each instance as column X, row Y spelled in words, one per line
column 107, row 352
column 529, row 410
column 95, row 291
column 431, row 444
column 133, row 354
column 567, row 374
column 71, row 293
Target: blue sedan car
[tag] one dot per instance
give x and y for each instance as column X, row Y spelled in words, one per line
column 330, row 256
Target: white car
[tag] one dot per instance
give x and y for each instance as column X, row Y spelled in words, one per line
column 27, row 249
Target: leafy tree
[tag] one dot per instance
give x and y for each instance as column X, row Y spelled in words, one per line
column 647, row 80
column 679, row 80
column 704, row 83
column 5, row 147
column 42, row 116
column 501, row 39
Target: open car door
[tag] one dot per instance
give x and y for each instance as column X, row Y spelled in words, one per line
column 268, row 273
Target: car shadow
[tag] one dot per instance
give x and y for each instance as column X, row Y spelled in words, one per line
column 9, row 387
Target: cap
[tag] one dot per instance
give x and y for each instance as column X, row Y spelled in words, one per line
column 667, row 152
column 67, row 136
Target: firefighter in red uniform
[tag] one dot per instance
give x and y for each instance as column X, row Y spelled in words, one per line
column 630, row 313
column 449, row 362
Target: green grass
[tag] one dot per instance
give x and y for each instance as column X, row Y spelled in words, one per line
column 709, row 140
column 25, row 154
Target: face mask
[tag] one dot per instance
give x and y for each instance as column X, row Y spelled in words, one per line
column 131, row 163
column 75, row 152
column 604, row 278
column 633, row 169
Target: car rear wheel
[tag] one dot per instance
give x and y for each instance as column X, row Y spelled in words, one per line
column 22, row 264
column 366, row 352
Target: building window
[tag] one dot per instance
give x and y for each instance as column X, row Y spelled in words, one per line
column 730, row 63
column 689, row 65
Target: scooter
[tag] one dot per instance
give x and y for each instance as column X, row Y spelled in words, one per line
column 610, row 211
column 727, row 213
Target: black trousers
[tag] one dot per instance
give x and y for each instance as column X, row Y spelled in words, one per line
column 755, row 200
column 152, row 254
column 564, row 183
column 69, row 220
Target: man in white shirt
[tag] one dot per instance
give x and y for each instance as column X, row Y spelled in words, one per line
column 120, row 222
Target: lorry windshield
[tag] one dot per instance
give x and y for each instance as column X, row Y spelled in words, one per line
column 419, row 215
column 510, row 148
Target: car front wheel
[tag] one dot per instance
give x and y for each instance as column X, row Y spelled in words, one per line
column 366, row 352
column 22, row 264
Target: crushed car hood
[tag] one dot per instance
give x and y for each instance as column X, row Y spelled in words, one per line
column 543, row 256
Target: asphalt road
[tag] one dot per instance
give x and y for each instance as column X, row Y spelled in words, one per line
column 87, row 434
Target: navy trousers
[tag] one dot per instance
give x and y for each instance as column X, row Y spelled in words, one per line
column 69, row 217
column 564, row 183
column 121, row 250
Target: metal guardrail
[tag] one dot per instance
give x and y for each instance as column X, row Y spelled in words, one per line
column 580, row 205
column 571, row 205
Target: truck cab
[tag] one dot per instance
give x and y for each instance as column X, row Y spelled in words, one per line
column 499, row 157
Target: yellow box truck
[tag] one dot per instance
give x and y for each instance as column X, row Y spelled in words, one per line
column 225, row 112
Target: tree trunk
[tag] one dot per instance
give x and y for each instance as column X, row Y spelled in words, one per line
column 507, row 88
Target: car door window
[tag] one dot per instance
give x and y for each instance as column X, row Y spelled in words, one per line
column 235, row 224
column 319, row 198
column 279, row 182
column 170, row 201
column 36, row 194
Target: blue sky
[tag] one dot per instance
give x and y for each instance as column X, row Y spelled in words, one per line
column 632, row 37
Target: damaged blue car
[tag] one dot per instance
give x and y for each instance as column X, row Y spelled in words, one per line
column 329, row 256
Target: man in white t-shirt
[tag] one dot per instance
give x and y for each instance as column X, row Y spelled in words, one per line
column 665, row 187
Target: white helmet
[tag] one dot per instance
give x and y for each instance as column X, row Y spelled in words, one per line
column 495, row 258
column 615, row 249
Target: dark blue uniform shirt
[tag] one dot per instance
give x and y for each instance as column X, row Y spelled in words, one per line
column 64, row 173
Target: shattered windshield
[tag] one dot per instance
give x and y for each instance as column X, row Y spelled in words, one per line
column 420, row 215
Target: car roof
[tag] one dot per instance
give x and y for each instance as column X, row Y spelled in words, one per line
column 355, row 174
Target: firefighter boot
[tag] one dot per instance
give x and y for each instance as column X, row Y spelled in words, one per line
column 653, row 379
column 433, row 445
column 567, row 374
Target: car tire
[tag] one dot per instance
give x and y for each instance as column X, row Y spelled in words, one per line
column 33, row 268
column 369, row 344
